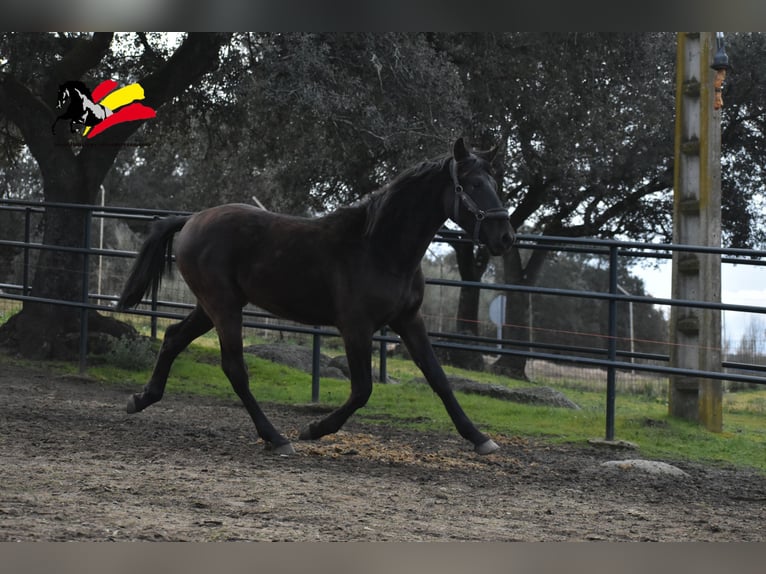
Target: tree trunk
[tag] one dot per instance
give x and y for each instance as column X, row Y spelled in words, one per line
column 41, row 329
column 472, row 263
column 58, row 275
column 517, row 320
column 44, row 330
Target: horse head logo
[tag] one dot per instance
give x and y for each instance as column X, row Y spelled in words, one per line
column 105, row 107
column 81, row 110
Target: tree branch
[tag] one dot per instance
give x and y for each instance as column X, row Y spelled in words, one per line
column 197, row 55
column 33, row 118
column 84, row 55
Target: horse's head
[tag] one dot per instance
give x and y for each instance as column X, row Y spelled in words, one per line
column 75, row 91
column 476, row 207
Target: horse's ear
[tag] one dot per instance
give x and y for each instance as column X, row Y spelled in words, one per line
column 494, row 155
column 459, row 151
column 491, row 154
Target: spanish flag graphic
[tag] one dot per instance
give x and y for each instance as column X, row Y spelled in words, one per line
column 123, row 103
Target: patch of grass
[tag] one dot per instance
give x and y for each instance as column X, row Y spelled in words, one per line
column 8, row 309
column 748, row 401
column 640, row 418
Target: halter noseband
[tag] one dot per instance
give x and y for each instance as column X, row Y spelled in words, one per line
column 470, row 205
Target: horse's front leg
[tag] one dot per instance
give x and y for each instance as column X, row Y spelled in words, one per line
column 358, row 351
column 413, row 332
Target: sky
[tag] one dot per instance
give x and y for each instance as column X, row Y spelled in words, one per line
column 740, row 285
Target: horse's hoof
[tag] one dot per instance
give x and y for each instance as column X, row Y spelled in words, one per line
column 306, row 434
column 487, row 447
column 285, row 449
column 132, row 407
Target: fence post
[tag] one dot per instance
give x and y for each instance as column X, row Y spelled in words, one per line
column 383, row 374
column 612, row 349
column 696, row 333
column 27, row 239
column 315, row 353
column 85, row 289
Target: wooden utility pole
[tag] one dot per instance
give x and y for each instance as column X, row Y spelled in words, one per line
column 696, row 333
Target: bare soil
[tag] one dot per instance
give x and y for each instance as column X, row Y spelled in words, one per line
column 75, row 466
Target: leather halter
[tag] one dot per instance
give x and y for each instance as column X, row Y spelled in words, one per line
column 479, row 214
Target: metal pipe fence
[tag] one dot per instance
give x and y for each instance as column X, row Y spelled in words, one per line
column 610, row 359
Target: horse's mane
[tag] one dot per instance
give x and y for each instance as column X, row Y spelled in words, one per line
column 383, row 200
column 77, row 84
column 364, row 215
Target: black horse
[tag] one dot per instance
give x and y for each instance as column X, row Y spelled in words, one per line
column 82, row 110
column 357, row 268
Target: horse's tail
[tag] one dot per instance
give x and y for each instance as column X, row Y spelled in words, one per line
column 152, row 261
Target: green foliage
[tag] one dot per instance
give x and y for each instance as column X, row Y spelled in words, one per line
column 8, row 309
column 310, row 121
column 131, row 353
column 743, row 124
column 304, row 122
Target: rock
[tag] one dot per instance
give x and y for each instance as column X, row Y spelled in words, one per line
column 340, row 363
column 545, row 396
column 332, row 373
column 290, row 355
column 297, row 357
column 646, row 466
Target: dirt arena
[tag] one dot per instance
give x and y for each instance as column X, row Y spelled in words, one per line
column 74, row 466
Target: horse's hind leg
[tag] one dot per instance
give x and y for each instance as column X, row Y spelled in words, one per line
column 177, row 338
column 358, row 351
column 233, row 363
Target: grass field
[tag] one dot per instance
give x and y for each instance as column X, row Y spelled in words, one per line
column 641, row 417
column 641, row 407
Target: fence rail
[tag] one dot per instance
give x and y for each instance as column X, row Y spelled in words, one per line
column 611, row 359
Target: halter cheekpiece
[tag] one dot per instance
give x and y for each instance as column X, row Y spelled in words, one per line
column 478, row 213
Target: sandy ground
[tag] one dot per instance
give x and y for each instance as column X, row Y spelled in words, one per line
column 74, row 466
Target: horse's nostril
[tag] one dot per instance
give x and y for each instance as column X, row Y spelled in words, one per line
column 508, row 240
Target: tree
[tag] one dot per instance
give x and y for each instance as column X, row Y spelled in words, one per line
column 374, row 103
column 586, row 120
column 583, row 120
column 743, row 145
column 305, row 122
column 33, row 66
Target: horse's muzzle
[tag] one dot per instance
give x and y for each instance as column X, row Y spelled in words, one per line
column 502, row 244
column 508, row 239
